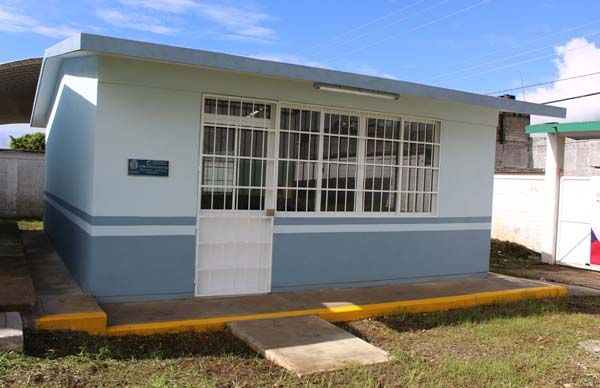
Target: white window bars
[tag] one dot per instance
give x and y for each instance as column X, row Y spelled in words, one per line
column 320, row 160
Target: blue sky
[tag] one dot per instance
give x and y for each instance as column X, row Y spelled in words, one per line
column 475, row 45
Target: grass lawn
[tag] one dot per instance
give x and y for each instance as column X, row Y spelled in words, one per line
column 31, row 224
column 26, row 224
column 525, row 344
column 531, row 343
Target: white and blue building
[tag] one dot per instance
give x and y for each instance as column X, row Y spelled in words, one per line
column 174, row 173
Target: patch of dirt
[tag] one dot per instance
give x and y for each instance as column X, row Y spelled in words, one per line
column 57, row 344
column 516, row 260
column 560, row 274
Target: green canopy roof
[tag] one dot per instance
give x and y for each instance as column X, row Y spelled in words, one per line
column 579, row 130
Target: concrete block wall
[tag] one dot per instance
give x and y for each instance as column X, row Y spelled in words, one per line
column 513, row 145
column 21, row 184
column 580, row 156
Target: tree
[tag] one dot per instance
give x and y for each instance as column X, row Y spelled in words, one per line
column 30, row 142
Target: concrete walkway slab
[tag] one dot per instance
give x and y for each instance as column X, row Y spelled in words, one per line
column 16, row 287
column 334, row 305
column 306, row 344
column 60, row 302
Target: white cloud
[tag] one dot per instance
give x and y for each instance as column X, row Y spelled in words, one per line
column 135, row 21
column 576, row 57
column 237, row 22
column 14, row 130
column 15, row 22
column 173, row 6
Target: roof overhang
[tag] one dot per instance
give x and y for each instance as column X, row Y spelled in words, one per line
column 579, row 130
column 89, row 44
column 18, row 81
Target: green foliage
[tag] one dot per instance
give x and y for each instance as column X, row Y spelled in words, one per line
column 30, row 142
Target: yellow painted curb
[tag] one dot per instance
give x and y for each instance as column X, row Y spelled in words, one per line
column 348, row 313
column 93, row 322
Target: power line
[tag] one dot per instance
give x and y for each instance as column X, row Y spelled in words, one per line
column 530, row 41
column 360, row 27
column 543, row 83
column 502, row 59
column 511, row 65
column 462, row 10
column 359, row 37
column 571, row 98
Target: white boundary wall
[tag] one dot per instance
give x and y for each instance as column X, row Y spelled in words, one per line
column 21, row 183
column 518, row 210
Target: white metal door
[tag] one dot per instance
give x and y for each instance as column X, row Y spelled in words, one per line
column 236, row 187
column 574, row 222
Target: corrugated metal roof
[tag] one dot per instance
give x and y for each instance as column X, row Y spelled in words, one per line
column 18, row 82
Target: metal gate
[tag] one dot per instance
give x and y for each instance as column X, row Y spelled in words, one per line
column 577, row 213
column 236, row 186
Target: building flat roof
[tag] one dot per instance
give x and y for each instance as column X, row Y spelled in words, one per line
column 89, row 44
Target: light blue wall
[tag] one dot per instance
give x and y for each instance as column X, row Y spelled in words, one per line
column 72, row 244
column 142, row 267
column 336, row 259
column 69, row 160
column 122, row 268
column 70, row 134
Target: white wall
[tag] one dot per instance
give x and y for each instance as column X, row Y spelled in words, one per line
column 21, row 183
column 70, row 133
column 152, row 110
column 146, row 123
column 467, row 169
column 518, row 211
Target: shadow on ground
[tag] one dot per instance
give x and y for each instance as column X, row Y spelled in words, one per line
column 482, row 314
column 58, row 344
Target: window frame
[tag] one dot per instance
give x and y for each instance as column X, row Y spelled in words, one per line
column 363, row 116
column 237, row 124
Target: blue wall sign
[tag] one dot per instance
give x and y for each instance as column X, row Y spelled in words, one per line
column 147, row 167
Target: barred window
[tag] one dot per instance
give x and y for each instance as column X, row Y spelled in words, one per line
column 381, row 164
column 238, row 136
column 420, row 167
column 298, row 159
column 338, row 161
column 256, row 155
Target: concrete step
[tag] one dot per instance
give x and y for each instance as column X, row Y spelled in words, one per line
column 306, row 344
column 11, row 332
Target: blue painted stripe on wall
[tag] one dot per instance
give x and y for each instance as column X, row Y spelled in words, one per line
column 72, row 244
column 322, row 260
column 377, row 220
column 124, row 267
column 121, row 220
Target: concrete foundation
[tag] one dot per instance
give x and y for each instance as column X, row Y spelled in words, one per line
column 11, row 332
